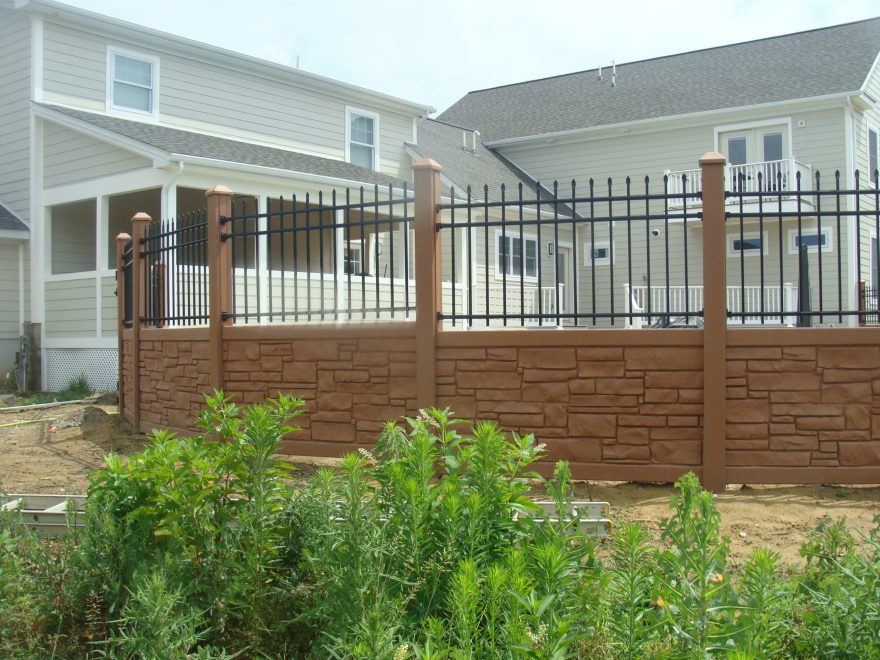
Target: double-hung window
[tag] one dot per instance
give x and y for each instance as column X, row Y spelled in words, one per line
column 512, row 260
column 353, row 258
column 362, row 138
column 132, row 82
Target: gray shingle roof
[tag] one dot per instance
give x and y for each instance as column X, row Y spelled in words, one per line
column 9, row 221
column 802, row 65
column 464, row 167
column 475, row 168
column 187, row 143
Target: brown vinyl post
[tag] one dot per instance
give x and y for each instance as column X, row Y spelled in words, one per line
column 121, row 240
column 219, row 278
column 715, row 323
column 138, row 308
column 426, row 175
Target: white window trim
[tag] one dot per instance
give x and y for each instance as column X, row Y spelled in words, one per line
column 349, row 111
column 829, row 240
column 588, row 253
column 872, row 236
column 361, row 248
column 733, row 252
column 112, row 51
column 514, row 234
column 871, row 127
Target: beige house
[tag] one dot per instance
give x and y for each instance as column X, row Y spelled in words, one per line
column 101, row 119
column 778, row 109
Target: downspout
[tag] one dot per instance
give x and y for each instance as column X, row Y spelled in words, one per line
column 853, row 241
column 167, row 210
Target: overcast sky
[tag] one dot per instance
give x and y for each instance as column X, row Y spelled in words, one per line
column 435, row 52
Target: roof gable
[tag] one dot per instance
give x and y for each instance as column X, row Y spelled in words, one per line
column 808, row 64
column 9, row 221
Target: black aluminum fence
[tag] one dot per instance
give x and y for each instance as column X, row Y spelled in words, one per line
column 328, row 257
column 175, row 255
column 126, row 284
column 800, row 253
column 573, row 256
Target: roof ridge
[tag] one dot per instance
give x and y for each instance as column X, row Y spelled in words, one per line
column 671, row 55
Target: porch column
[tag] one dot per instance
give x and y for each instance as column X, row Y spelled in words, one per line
column 715, row 323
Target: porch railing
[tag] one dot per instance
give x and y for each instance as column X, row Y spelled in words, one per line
column 769, row 175
column 744, row 303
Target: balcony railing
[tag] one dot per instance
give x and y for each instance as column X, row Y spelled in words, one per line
column 770, row 176
column 678, row 301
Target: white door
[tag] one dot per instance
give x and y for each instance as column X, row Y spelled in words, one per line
column 755, row 155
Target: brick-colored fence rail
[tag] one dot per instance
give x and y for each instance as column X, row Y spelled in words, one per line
column 735, row 405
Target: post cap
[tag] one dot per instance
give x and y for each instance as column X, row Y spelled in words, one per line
column 427, row 164
column 122, row 236
column 219, row 190
column 141, row 217
column 712, row 158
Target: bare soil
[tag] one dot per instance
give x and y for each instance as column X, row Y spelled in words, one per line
column 53, row 450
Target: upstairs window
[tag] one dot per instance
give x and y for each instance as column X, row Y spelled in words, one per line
column 362, row 131
column 132, row 82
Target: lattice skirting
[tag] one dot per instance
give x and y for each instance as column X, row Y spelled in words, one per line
column 100, row 366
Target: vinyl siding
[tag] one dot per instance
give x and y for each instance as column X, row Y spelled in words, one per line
column 9, row 305
column 70, row 157
column 15, row 43
column 70, row 308
column 201, row 96
column 74, row 67
column 869, row 221
column 108, row 306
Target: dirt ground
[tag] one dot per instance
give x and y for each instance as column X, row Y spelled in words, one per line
column 53, row 450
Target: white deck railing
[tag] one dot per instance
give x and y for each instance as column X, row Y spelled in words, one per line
column 772, row 175
column 739, row 300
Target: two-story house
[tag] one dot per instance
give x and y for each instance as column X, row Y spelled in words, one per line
column 101, row 119
column 782, row 110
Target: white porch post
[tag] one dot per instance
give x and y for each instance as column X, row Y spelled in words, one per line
column 168, row 210
column 341, row 289
column 102, row 212
column 263, row 273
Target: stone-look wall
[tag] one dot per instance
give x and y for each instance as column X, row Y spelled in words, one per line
column 174, row 374
column 590, row 405
column 350, row 385
column 126, row 378
column 803, row 406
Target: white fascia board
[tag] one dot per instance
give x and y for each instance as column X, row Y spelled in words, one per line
column 15, row 234
column 220, row 56
column 874, row 67
column 262, row 170
column 659, row 123
column 159, row 157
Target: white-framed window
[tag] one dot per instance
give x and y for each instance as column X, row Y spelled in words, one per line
column 353, row 259
column 598, row 253
column 873, row 153
column 811, row 238
column 512, row 260
column 749, row 244
column 132, row 82
column 362, row 138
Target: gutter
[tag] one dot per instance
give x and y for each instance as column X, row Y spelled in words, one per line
column 281, row 173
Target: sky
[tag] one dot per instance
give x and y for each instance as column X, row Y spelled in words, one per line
column 435, row 52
